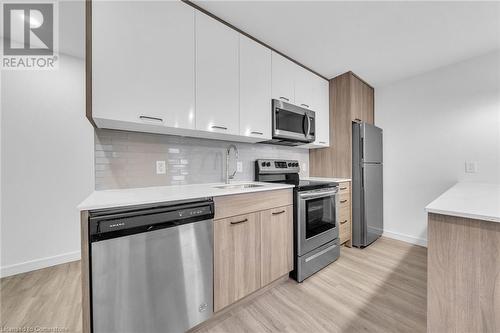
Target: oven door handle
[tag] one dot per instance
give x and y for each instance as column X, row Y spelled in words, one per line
column 307, row 196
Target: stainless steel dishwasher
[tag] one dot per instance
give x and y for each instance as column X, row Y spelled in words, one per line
column 151, row 267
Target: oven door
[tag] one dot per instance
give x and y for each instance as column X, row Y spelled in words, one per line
column 317, row 219
column 293, row 123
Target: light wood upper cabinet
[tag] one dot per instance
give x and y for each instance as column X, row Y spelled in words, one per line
column 143, row 73
column 351, row 99
column 283, row 78
column 217, row 76
column 362, row 99
column 237, row 261
column 255, row 89
column 276, row 243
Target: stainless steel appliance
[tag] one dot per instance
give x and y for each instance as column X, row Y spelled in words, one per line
column 367, row 185
column 316, row 242
column 151, row 267
column 292, row 125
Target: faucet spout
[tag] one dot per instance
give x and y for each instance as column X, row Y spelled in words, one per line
column 228, row 152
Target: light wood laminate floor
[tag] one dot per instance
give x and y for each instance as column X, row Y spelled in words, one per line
column 378, row 289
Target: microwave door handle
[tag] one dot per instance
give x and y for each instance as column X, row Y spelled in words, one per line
column 308, row 125
column 308, row 121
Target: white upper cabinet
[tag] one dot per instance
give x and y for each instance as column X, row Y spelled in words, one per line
column 255, row 90
column 322, row 107
column 283, row 77
column 319, row 102
column 304, row 82
column 217, row 76
column 143, row 65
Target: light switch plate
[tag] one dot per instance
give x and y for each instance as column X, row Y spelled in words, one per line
column 239, row 166
column 161, row 168
column 471, row 166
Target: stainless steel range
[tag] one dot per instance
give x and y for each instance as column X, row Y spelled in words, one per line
column 316, row 242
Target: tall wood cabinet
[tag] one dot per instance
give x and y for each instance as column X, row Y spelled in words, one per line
column 351, row 99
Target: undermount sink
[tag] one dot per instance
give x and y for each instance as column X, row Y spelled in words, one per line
column 241, row 186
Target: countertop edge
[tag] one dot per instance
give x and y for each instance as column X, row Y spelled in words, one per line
column 464, row 215
column 87, row 207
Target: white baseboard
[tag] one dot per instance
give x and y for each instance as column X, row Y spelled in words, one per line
column 38, row 264
column 405, row 238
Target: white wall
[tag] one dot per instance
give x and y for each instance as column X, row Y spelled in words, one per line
column 432, row 124
column 47, row 151
column 47, row 165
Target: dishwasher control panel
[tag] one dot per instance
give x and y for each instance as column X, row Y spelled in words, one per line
column 117, row 223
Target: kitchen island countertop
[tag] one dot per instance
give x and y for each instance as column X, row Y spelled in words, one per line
column 479, row 201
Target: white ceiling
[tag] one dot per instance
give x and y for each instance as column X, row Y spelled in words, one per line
column 380, row 41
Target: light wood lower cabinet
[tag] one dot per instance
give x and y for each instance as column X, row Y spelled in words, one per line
column 252, row 249
column 276, row 243
column 345, row 220
column 236, row 258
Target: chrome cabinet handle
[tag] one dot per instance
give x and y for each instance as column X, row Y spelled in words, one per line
column 342, row 201
column 277, row 213
column 343, row 188
column 220, row 127
column 238, row 222
column 307, row 106
column 284, row 98
column 151, row 118
column 258, row 133
column 357, row 120
column 342, row 222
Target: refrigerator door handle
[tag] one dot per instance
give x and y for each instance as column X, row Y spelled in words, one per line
column 362, row 149
column 362, row 177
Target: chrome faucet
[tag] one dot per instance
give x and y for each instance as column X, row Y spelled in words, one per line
column 228, row 152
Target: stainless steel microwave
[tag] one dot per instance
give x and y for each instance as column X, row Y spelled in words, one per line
column 292, row 125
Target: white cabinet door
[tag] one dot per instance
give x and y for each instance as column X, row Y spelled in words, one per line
column 323, row 114
column 143, row 65
column 304, row 92
column 217, row 76
column 255, row 90
column 283, row 76
column 320, row 104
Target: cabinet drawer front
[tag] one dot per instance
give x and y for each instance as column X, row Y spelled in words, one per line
column 345, row 199
column 344, row 187
column 232, row 205
column 345, row 231
column 344, row 216
column 236, row 258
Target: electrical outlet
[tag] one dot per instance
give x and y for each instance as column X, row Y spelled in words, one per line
column 239, row 166
column 161, row 168
column 471, row 166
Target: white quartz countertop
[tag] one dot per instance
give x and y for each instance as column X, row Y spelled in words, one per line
column 148, row 195
column 470, row 200
column 326, row 179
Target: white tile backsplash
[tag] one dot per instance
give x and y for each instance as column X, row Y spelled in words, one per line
column 128, row 159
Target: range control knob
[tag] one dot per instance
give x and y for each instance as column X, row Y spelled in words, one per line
column 295, row 164
column 268, row 164
column 263, row 164
column 289, row 164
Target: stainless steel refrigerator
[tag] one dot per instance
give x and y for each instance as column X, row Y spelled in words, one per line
column 367, row 188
